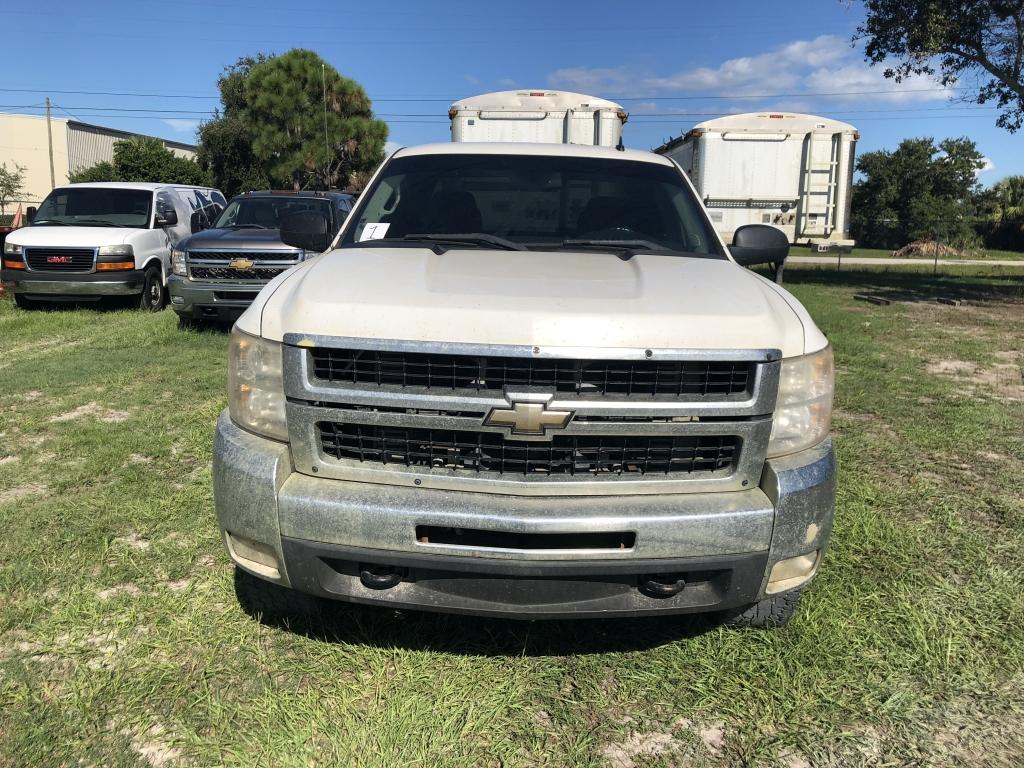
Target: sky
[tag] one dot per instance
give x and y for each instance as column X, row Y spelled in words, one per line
column 152, row 67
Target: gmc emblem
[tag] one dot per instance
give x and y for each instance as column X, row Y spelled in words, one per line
column 58, row 259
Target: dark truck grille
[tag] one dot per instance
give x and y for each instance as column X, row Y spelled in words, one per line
column 227, row 273
column 606, row 377
column 60, row 259
column 570, row 455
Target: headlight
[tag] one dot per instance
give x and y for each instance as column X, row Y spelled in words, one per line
column 11, row 249
column 116, row 250
column 803, row 411
column 178, row 263
column 255, row 385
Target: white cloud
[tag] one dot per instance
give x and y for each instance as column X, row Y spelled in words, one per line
column 181, row 125
column 826, row 64
column 986, row 166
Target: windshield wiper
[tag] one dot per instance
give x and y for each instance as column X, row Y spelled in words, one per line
column 96, row 223
column 467, row 238
column 627, row 249
column 245, row 226
column 38, row 222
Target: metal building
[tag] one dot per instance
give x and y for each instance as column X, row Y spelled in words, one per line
column 76, row 145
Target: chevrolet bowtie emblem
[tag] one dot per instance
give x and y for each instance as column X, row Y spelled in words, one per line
column 241, row 264
column 527, row 418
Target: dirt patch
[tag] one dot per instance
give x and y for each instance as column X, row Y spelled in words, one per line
column 177, row 585
column 133, row 541
column 21, row 491
column 713, row 737
column 7, row 460
column 1001, row 381
column 639, row 745
column 138, row 458
column 117, row 590
column 154, row 747
column 95, row 410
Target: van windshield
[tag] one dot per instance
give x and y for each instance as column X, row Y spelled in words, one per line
column 96, row 207
column 266, row 211
column 533, row 201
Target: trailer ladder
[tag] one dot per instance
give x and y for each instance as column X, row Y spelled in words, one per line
column 819, row 183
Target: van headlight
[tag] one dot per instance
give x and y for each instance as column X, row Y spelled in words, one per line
column 11, row 249
column 256, row 385
column 178, row 263
column 803, row 410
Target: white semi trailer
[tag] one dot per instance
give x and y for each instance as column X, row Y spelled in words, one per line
column 793, row 171
column 548, row 117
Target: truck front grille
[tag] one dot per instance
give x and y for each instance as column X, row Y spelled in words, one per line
column 629, row 378
column 227, row 273
column 60, row 259
column 251, row 255
column 564, row 455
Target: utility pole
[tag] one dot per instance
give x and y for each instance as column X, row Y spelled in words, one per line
column 327, row 143
column 49, row 141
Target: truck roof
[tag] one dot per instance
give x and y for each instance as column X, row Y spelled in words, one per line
column 527, row 100
column 146, row 185
column 527, row 148
column 775, row 122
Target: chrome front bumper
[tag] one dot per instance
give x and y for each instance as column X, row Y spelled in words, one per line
column 324, row 532
column 44, row 285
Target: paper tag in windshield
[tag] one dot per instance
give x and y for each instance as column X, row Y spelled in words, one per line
column 373, row 232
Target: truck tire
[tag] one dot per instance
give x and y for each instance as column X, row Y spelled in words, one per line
column 772, row 612
column 24, row 302
column 154, row 295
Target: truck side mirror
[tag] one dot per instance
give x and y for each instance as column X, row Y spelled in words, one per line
column 30, row 213
column 759, row 244
column 307, row 230
column 166, row 217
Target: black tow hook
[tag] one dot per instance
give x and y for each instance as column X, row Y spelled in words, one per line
column 380, row 577
column 661, row 586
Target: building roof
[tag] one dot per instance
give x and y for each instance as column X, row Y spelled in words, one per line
column 530, row 148
column 541, row 100
column 115, row 132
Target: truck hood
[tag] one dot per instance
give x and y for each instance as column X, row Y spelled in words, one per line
column 49, row 236
column 264, row 239
column 533, row 298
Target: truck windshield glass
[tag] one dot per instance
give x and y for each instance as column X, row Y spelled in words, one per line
column 96, row 207
column 267, row 212
column 536, row 201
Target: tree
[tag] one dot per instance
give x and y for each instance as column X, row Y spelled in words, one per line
column 1008, row 199
column 292, row 120
column 225, row 146
column 142, row 158
column 951, row 40
column 922, row 190
column 12, row 185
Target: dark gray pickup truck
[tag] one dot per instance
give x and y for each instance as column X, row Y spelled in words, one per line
column 218, row 272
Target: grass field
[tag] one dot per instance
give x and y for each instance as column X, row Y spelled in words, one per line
column 123, row 641
column 876, row 253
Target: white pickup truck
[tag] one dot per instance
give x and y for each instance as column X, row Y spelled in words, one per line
column 529, row 381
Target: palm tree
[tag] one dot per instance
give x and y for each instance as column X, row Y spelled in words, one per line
column 1008, row 199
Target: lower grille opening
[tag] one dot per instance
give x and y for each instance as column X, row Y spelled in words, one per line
column 235, row 295
column 565, row 455
column 468, row 537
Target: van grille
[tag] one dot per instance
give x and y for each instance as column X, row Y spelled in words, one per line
column 692, row 378
column 565, row 455
column 60, row 259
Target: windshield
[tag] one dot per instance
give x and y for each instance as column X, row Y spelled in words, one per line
column 267, row 212
column 96, row 207
column 534, row 201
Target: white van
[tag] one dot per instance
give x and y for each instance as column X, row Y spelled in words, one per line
column 87, row 241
